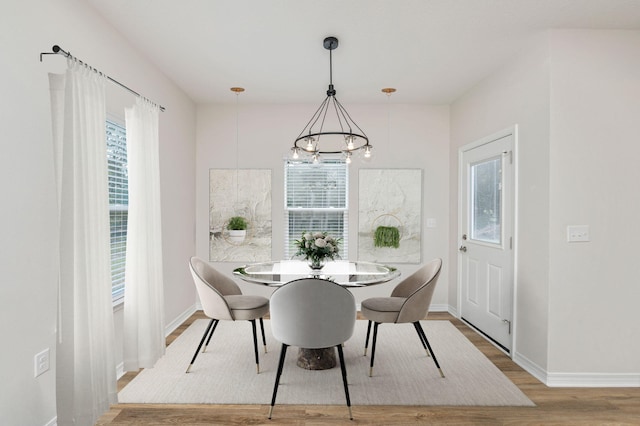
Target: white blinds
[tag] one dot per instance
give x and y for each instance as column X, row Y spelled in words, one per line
column 118, row 203
column 316, row 199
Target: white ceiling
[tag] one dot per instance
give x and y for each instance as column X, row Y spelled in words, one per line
column 432, row 51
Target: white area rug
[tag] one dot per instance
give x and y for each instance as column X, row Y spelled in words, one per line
column 403, row 374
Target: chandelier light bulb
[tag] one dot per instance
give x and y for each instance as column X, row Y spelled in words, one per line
column 310, row 144
column 367, row 152
column 295, row 154
column 349, row 140
column 348, row 159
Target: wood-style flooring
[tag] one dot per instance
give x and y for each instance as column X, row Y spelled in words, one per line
column 554, row 406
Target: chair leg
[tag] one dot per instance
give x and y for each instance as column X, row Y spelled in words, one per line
column 424, row 345
column 344, row 379
column 373, row 347
column 215, row 324
column 264, row 339
column 366, row 342
column 204, row 336
column 283, row 352
column 426, row 341
column 255, row 345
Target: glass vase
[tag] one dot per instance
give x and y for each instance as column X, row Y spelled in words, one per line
column 316, row 264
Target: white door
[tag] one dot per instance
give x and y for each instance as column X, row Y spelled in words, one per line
column 486, row 258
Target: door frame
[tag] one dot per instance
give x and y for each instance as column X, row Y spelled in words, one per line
column 512, row 130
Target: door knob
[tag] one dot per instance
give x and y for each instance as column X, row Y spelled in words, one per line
column 463, row 249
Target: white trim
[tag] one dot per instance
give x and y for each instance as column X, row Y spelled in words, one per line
column 120, row 371
column 453, row 311
column 441, row 307
column 169, row 328
column 530, row 367
column 52, row 422
column 173, row 325
column 593, row 380
column 585, row 380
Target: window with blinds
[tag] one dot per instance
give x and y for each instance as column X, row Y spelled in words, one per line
column 316, row 199
column 118, row 204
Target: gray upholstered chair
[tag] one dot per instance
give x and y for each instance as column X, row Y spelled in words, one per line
column 222, row 299
column 409, row 303
column 312, row 313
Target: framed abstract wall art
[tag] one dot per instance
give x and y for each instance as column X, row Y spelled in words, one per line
column 239, row 215
column 390, row 215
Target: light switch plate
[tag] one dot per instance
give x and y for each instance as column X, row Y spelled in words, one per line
column 578, row 233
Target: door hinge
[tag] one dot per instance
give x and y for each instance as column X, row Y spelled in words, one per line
column 508, row 323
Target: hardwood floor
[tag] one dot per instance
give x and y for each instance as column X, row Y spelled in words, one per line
column 554, row 406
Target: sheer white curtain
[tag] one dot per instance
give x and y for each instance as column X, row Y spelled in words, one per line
column 144, row 341
column 85, row 366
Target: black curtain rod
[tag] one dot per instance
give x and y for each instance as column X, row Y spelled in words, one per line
column 57, row 50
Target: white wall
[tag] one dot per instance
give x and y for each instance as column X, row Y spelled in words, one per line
column 516, row 94
column 419, row 138
column 28, row 215
column 575, row 96
column 594, row 325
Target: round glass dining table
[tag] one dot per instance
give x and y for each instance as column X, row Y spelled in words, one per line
column 343, row 272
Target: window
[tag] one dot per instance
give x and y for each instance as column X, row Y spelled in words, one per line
column 316, row 199
column 118, row 204
column 486, row 199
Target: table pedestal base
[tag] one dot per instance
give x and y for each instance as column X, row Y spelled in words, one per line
column 317, row 359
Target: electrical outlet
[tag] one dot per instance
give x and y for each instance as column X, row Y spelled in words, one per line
column 41, row 362
column 577, row 233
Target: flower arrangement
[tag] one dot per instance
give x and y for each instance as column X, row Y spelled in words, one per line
column 317, row 247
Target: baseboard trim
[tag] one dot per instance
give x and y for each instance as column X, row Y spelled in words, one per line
column 173, row 325
column 530, row 367
column 169, row 328
column 438, row 308
column 578, row 380
column 593, row 380
column 120, row 371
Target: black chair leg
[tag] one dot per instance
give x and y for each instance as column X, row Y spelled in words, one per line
column 373, row 346
column 426, row 341
column 366, row 342
column 424, row 345
column 283, row 352
column 255, row 344
column 264, row 339
column 344, row 379
column 215, row 324
column 204, row 336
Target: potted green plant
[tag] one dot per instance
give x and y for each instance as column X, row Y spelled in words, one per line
column 386, row 236
column 237, row 228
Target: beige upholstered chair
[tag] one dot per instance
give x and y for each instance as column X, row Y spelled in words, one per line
column 312, row 313
column 222, row 299
column 409, row 303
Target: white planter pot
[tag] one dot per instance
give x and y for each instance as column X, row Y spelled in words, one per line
column 237, row 236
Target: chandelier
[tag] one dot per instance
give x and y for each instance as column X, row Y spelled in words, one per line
column 344, row 138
